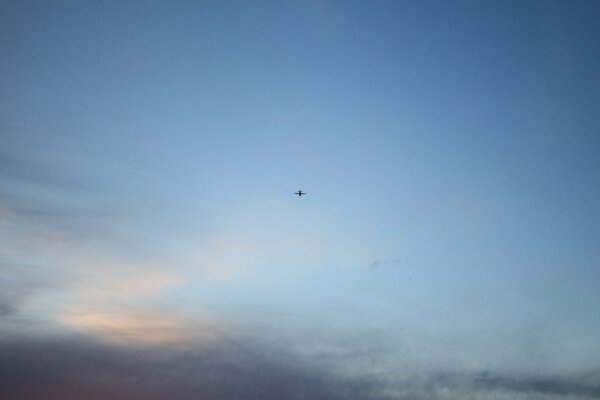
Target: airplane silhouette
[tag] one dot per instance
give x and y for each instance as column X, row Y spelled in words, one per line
column 300, row 193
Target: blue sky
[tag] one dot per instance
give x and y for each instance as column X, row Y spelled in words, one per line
column 447, row 247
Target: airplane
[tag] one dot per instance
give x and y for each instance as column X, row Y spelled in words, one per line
column 300, row 193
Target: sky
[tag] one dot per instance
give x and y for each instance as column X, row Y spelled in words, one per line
column 152, row 247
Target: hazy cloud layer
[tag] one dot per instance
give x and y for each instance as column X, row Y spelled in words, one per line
column 243, row 368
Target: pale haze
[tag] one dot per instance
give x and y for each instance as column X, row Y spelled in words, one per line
column 152, row 246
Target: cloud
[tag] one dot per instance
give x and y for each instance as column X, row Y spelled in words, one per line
column 398, row 262
column 550, row 386
column 18, row 170
column 76, row 285
column 242, row 367
column 227, row 370
column 19, row 284
column 137, row 327
column 13, row 291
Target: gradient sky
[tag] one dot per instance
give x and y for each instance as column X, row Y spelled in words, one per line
column 151, row 245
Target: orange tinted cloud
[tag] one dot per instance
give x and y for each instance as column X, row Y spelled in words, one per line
column 129, row 328
column 141, row 326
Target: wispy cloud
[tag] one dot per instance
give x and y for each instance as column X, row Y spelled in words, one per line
column 70, row 281
column 392, row 262
column 140, row 326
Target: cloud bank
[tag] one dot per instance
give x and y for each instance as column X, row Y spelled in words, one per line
column 244, row 368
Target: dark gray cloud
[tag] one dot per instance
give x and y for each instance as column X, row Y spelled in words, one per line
column 229, row 370
column 75, row 367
